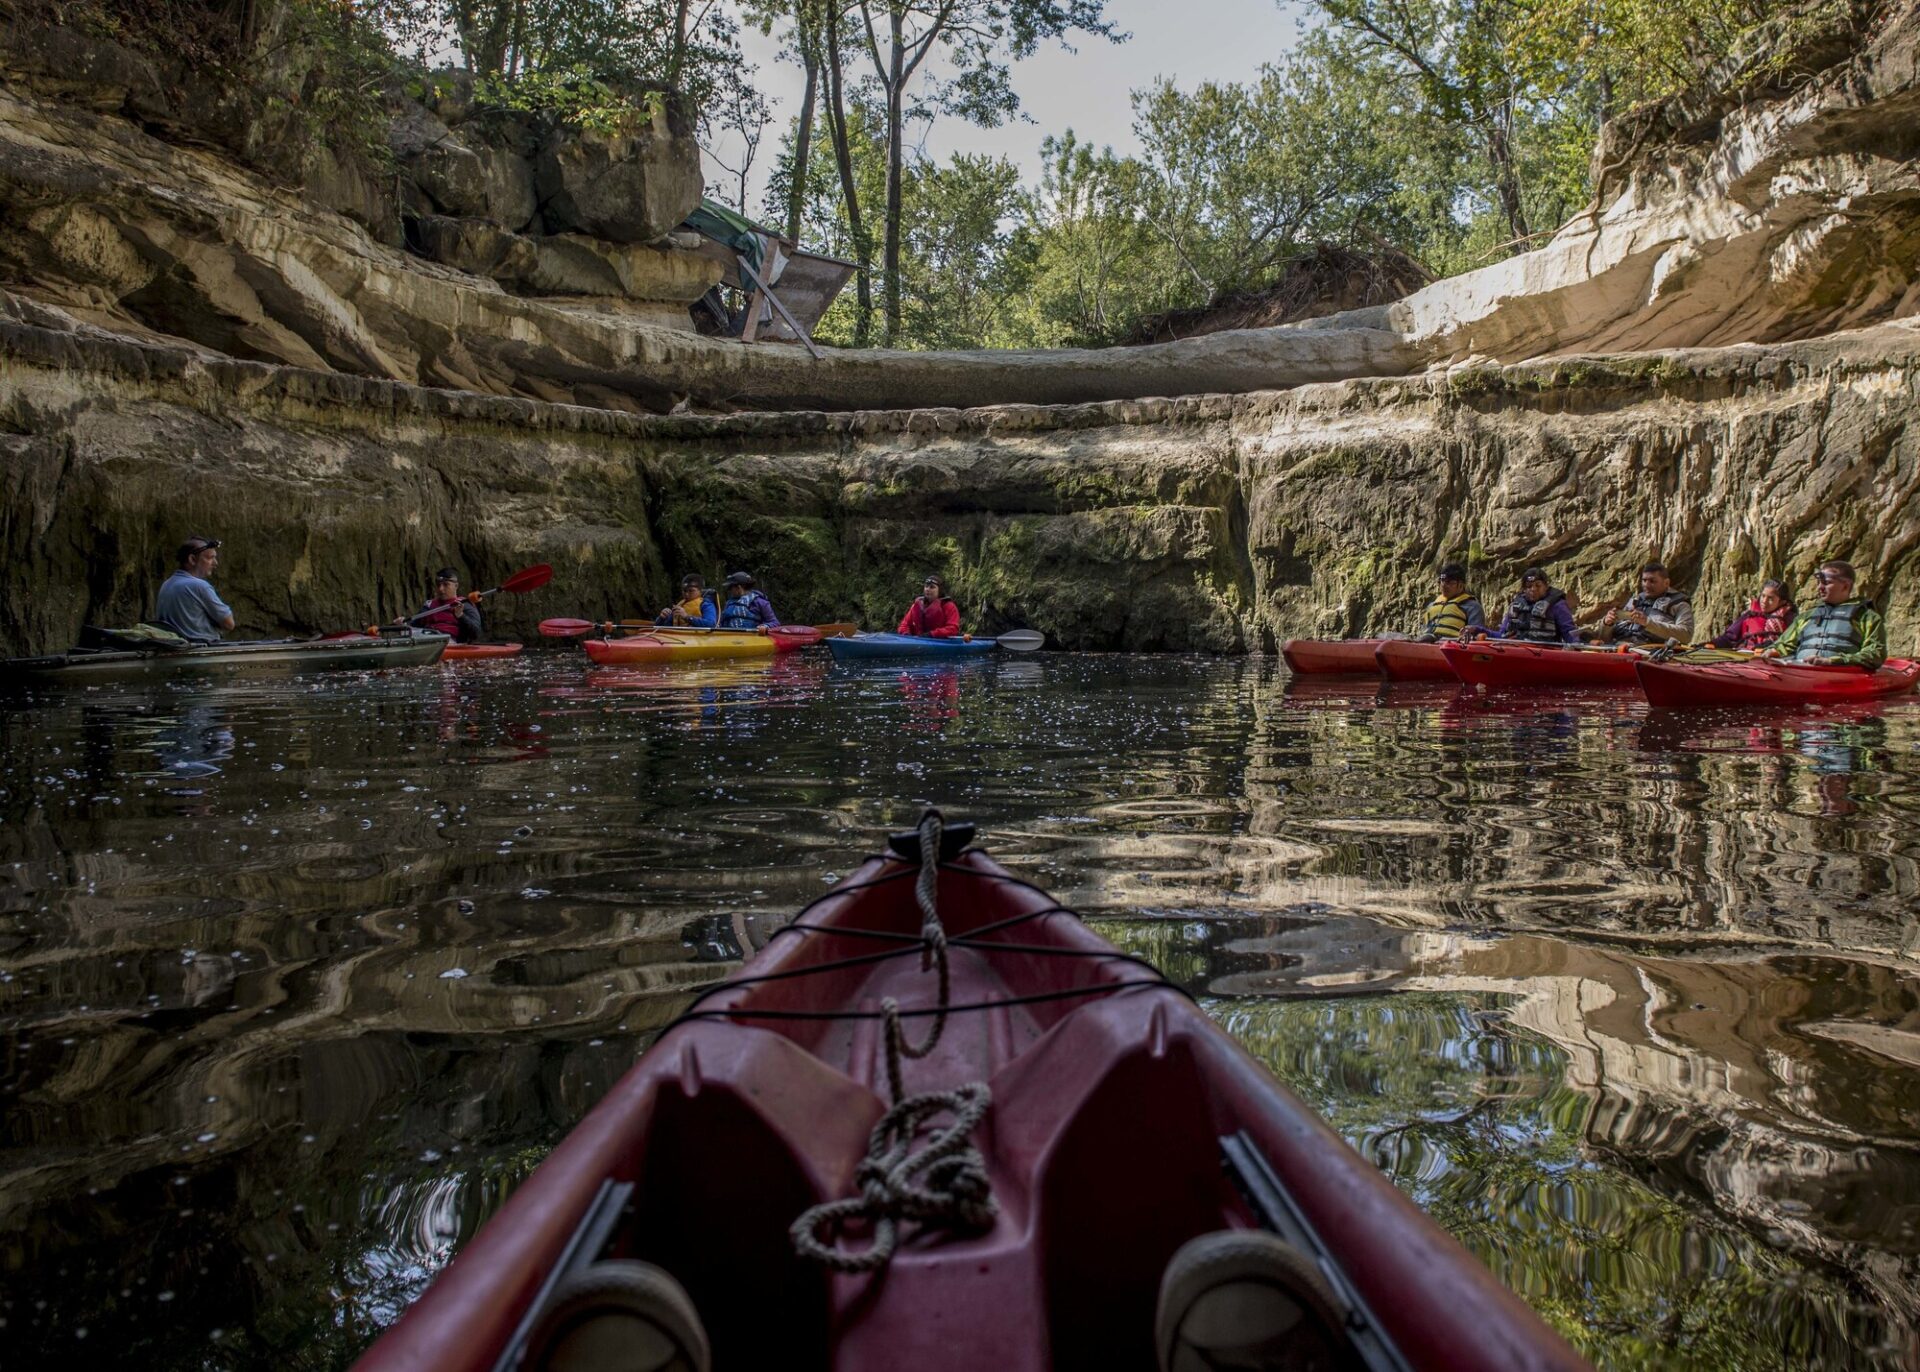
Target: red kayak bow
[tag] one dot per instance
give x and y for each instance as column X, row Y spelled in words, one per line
column 1404, row 660
column 1102, row 1120
column 1331, row 656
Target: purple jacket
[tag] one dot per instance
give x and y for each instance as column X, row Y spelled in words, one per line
column 1545, row 621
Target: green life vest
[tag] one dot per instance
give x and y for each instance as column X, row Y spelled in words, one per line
column 1447, row 619
column 1829, row 630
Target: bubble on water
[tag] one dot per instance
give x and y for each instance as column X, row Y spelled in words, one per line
column 164, row 1296
column 431, row 1155
column 207, row 1137
column 453, row 974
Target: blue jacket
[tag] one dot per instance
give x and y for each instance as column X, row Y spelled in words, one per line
column 705, row 619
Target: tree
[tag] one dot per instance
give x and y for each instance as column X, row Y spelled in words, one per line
column 1092, row 267
column 956, row 272
column 1236, row 179
column 978, row 39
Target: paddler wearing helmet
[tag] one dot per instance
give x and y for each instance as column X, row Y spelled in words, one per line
column 1452, row 611
column 746, row 608
column 932, row 614
column 1842, row 630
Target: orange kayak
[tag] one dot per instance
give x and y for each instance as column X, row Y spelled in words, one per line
column 680, row 647
column 1328, row 656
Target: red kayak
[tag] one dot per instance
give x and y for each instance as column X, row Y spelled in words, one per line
column 1496, row 663
column 1331, row 656
column 478, row 652
column 1680, row 685
column 1115, row 1122
column 1404, row 660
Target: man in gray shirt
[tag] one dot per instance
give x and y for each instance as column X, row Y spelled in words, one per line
column 1658, row 614
column 187, row 603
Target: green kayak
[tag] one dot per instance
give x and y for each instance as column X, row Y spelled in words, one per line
column 276, row 655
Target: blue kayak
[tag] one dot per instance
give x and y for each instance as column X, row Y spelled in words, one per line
column 874, row 647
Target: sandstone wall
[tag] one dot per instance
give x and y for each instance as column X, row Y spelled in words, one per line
column 1210, row 523
column 1786, row 206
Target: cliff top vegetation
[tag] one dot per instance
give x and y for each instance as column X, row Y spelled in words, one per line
column 1432, row 135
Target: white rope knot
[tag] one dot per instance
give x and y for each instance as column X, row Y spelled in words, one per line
column 944, row 1182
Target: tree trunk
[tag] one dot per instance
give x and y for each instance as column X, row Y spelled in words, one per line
column 802, row 145
column 1506, row 174
column 896, row 99
column 849, row 188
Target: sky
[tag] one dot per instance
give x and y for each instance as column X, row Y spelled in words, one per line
column 1189, row 41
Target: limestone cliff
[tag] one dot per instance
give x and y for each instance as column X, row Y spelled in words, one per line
column 1716, row 365
column 1213, row 523
column 1783, row 205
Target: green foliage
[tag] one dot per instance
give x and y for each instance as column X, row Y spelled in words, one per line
column 573, row 95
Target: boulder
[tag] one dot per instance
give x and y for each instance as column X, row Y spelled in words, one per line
column 82, row 70
column 447, row 170
column 511, row 202
column 574, row 265
column 347, row 187
column 628, row 187
column 477, row 245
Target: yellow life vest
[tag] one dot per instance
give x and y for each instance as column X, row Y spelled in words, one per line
column 1447, row 619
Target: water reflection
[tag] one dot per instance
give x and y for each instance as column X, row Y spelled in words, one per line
column 1628, row 998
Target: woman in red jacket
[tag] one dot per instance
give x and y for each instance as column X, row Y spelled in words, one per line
column 933, row 615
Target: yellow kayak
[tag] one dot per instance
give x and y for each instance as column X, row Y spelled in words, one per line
column 680, row 645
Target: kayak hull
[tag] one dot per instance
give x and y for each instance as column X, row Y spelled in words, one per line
column 358, row 653
column 786, row 638
column 1404, row 660
column 668, row 647
column 1677, row 685
column 729, row 1127
column 1499, row 665
column 894, row 647
column 480, row 652
column 1331, row 656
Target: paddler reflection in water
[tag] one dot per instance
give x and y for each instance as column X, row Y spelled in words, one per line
column 187, row 603
column 933, row 614
column 448, row 612
column 1451, row 613
column 693, row 610
column 1842, row 630
column 1657, row 613
column 1539, row 614
column 746, row 608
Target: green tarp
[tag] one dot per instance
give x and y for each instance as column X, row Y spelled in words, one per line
column 737, row 231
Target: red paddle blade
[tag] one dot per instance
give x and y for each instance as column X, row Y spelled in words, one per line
column 565, row 628
column 527, row 579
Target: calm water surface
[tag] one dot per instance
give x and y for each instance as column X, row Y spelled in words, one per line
column 299, row 978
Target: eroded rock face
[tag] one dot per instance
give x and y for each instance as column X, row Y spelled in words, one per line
column 1209, row 523
column 1787, row 209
